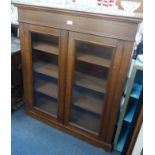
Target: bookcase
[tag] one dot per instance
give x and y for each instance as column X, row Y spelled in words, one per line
column 74, row 68
column 130, row 106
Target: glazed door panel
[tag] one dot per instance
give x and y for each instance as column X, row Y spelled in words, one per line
column 44, row 74
column 91, row 60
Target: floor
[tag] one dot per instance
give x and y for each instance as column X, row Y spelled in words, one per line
column 32, row 137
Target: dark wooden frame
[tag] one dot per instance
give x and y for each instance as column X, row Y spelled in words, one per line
column 118, row 46
column 120, row 30
column 28, row 29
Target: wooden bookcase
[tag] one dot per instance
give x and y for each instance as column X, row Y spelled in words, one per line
column 130, row 107
column 74, row 74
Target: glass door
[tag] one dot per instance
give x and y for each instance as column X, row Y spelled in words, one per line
column 45, row 48
column 45, row 51
column 89, row 62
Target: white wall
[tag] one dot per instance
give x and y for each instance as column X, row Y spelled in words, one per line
column 139, row 143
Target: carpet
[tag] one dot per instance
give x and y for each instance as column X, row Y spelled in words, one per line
column 32, row 137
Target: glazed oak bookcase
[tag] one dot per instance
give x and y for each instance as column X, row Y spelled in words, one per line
column 74, row 68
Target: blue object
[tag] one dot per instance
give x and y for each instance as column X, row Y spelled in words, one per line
column 136, row 91
column 130, row 114
column 32, row 137
column 123, row 136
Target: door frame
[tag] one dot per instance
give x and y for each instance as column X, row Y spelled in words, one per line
column 26, row 55
column 111, row 82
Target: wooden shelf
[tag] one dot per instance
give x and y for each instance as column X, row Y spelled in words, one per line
column 47, row 105
column 93, row 59
column 90, row 82
column 46, row 47
column 47, row 88
column 46, row 69
column 88, row 103
column 85, row 119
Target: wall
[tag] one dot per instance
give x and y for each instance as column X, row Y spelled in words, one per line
column 139, row 143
